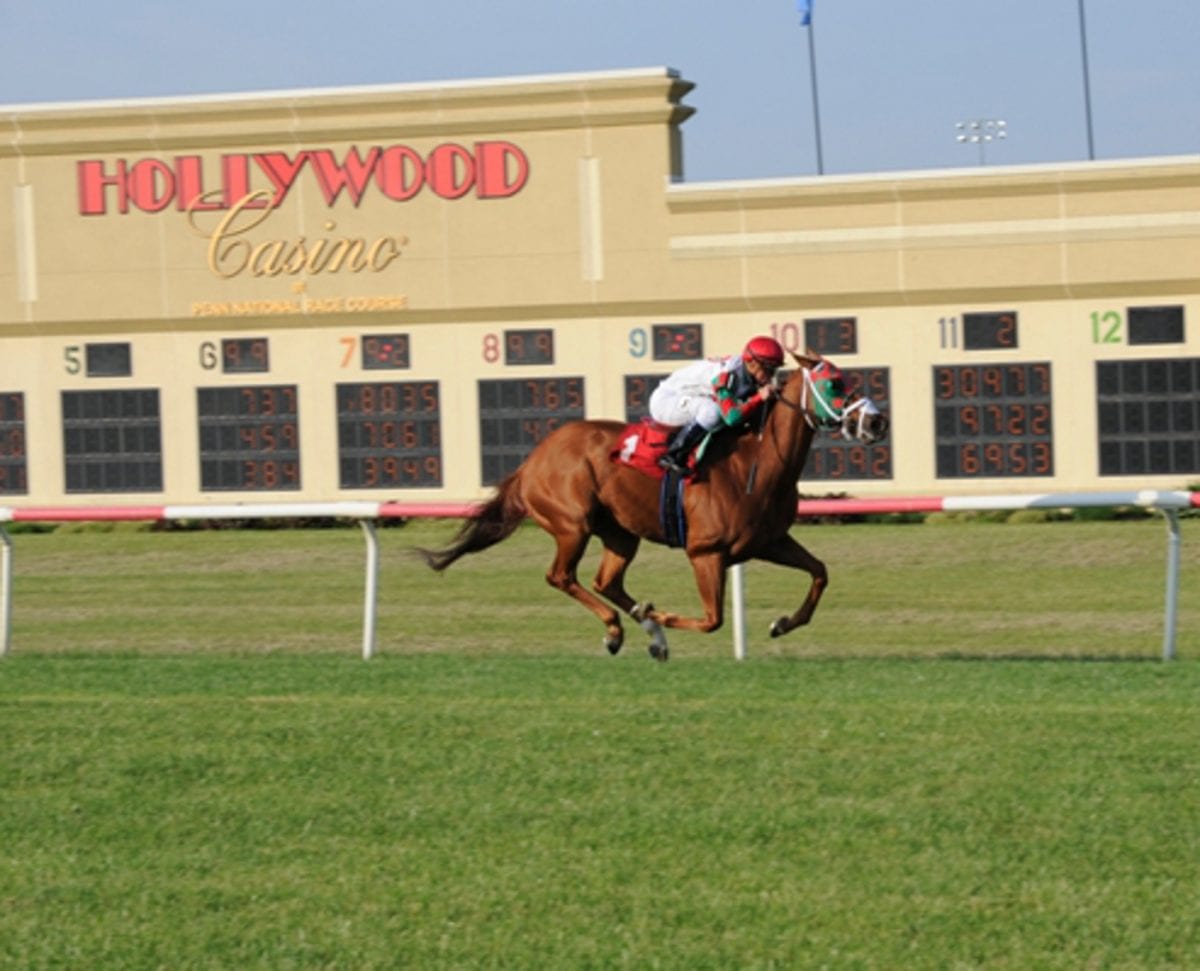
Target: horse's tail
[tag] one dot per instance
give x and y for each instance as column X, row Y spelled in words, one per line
column 495, row 521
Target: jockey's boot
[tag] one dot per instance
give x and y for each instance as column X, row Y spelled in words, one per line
column 687, row 438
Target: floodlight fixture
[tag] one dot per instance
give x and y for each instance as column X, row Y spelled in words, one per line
column 980, row 131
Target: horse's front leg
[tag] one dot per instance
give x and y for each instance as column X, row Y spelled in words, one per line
column 787, row 552
column 709, row 570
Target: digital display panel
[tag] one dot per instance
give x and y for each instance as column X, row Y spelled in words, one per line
column 529, row 346
column 385, row 352
column 389, row 435
column 833, row 457
column 249, row 438
column 14, row 473
column 993, row 420
column 245, row 355
column 113, row 360
column 831, row 335
column 112, row 441
column 638, row 388
column 990, row 331
column 1155, row 325
column 677, row 342
column 1148, row 416
column 517, row 413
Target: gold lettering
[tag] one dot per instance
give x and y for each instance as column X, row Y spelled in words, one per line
column 231, row 253
column 383, row 252
column 227, row 255
column 205, row 308
column 369, row 304
column 344, row 250
column 316, row 257
column 305, row 305
column 297, row 260
column 266, row 258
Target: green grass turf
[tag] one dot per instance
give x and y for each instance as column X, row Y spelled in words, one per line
column 454, row 811
column 199, row 772
column 1046, row 590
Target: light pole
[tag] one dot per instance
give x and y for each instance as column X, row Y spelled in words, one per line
column 980, row 131
column 1087, row 84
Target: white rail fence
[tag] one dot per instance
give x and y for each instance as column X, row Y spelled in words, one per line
column 1169, row 503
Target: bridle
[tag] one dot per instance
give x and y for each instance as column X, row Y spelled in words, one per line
column 828, row 415
column 825, row 414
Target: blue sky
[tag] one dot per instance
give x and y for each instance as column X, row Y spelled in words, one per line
column 893, row 78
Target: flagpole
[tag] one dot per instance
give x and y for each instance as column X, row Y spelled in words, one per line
column 1087, row 86
column 816, row 105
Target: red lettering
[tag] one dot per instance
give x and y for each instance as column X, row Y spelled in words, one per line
column 189, row 181
column 399, row 173
column 282, row 171
column 151, row 185
column 93, row 180
column 494, row 169
column 450, row 171
column 353, row 174
column 501, row 169
column 235, row 177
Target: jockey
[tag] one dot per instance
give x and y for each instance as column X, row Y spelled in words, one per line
column 714, row 393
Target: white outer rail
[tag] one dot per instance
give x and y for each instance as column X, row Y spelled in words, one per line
column 1168, row 502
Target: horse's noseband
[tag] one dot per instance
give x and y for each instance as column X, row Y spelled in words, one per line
column 870, row 421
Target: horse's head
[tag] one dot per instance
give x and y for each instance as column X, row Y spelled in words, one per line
column 819, row 389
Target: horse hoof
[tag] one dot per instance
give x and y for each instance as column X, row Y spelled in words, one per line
column 612, row 643
column 779, row 627
column 660, row 652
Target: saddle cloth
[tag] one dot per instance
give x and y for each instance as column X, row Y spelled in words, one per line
column 642, row 444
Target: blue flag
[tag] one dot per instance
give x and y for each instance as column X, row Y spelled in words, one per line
column 805, row 8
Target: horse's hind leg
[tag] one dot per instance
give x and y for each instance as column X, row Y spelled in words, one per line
column 562, row 576
column 620, row 547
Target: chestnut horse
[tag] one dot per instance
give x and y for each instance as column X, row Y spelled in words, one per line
column 740, row 507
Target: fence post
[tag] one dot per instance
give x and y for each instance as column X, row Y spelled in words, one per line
column 1171, row 610
column 371, row 592
column 738, row 593
column 5, row 592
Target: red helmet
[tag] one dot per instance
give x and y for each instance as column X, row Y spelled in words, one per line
column 766, row 350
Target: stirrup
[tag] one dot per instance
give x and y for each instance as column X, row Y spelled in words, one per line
column 672, row 465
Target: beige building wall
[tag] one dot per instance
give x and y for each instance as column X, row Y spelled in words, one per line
column 477, row 224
